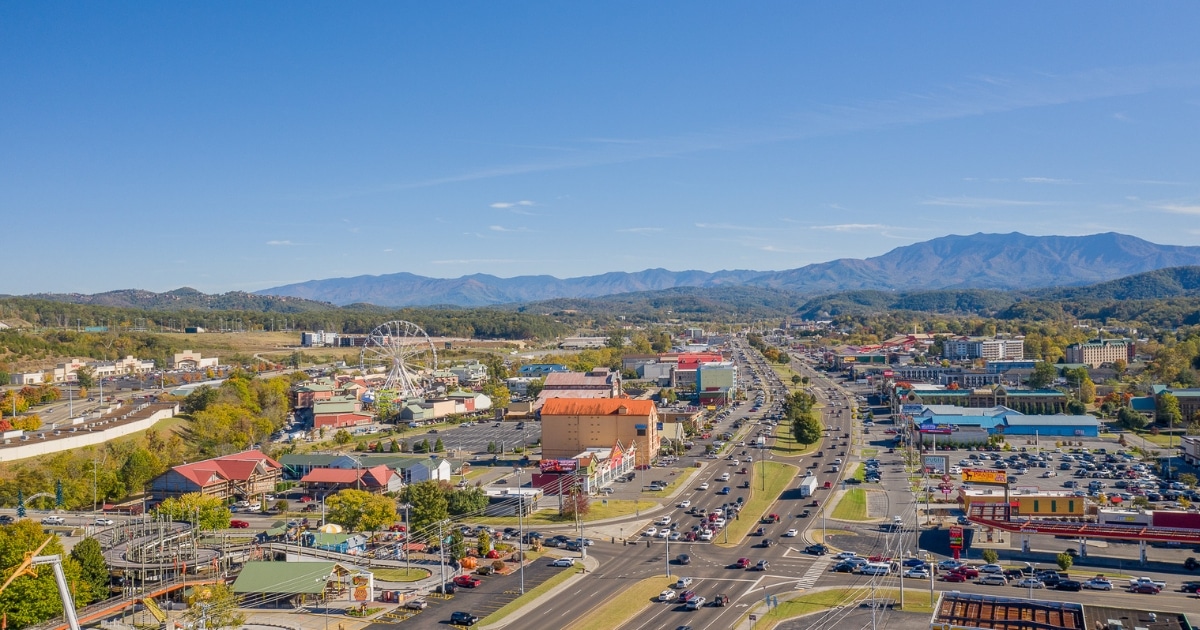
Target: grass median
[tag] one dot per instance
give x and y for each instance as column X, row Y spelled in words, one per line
column 388, row 574
column 915, row 600
column 852, row 506
column 681, row 477
column 626, row 605
column 778, row 476
column 530, row 595
column 786, row 445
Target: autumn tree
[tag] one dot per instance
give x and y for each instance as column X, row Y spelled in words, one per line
column 360, row 510
column 208, row 512
column 31, row 600
column 216, row 605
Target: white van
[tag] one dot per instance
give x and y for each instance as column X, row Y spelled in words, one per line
column 876, row 568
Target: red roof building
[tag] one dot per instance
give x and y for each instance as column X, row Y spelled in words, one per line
column 247, row 474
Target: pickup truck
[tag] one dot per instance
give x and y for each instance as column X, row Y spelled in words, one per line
column 1136, row 582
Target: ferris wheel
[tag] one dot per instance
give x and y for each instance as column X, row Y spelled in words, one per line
column 405, row 351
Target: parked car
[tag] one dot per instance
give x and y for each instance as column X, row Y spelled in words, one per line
column 1098, row 584
column 463, row 618
column 236, row 524
column 1030, row 582
column 992, row 579
column 417, row 604
column 1068, row 585
column 563, row 562
column 467, row 581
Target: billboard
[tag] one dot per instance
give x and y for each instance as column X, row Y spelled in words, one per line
column 978, row 475
column 956, row 537
column 936, row 464
column 558, row 466
column 936, row 429
column 911, row 409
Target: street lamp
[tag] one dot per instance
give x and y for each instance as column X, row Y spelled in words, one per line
column 521, row 527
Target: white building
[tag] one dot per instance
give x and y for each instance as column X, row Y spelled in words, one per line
column 189, row 360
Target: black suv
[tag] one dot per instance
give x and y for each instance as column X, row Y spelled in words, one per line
column 6, row 519
column 463, row 618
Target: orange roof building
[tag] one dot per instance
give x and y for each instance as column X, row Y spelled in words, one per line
column 573, row 425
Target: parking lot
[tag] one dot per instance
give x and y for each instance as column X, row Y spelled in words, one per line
column 475, row 437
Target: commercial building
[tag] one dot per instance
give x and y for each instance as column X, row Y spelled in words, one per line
column 599, row 383
column 470, row 374
column 1036, row 401
column 716, row 382
column 573, row 425
column 245, row 475
column 318, row 339
column 1189, row 401
column 968, row 348
column 409, row 468
column 1100, row 351
column 189, row 360
column 1051, row 426
column 541, row 369
column 1028, row 504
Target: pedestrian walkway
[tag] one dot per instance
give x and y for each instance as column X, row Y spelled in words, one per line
column 814, row 573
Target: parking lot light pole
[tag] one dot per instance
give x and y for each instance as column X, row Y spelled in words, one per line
column 521, row 527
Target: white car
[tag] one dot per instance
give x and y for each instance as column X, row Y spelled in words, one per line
column 54, row 520
column 706, row 535
column 791, row 533
column 920, row 573
column 845, row 555
column 704, row 486
column 683, row 582
column 663, row 533
column 664, row 520
column 675, row 536
column 651, row 531
column 104, row 521
column 666, row 596
column 724, row 477
column 695, row 603
column 685, row 504
column 563, row 562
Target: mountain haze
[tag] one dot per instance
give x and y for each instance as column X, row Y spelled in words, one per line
column 978, row 261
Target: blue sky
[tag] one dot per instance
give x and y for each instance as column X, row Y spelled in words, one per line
column 239, row 146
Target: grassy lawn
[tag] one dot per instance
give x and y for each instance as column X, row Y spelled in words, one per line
column 786, row 445
column 615, row 612
column 915, row 601
column 597, row 511
column 852, row 506
column 1161, row 439
column 786, row 373
column 860, row 472
column 530, row 595
column 870, row 452
column 400, row 575
column 681, row 476
column 778, row 476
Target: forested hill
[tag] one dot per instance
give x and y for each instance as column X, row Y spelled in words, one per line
column 1159, row 284
column 187, row 298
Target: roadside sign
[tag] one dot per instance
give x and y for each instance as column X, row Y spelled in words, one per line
column 956, row 537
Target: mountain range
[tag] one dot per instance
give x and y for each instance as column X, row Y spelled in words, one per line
column 979, row 261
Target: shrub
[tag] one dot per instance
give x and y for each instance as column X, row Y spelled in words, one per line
column 990, row 556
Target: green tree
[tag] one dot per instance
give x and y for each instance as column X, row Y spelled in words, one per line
column 458, row 545
column 661, row 342
column 1168, row 409
column 200, row 399
column 806, row 430
column 535, row 387
column 139, row 468
column 1129, row 419
column 214, row 604
column 616, row 339
column 358, row 510
column 498, row 392
column 796, row 379
column 429, row 506
column 93, row 570
column 491, row 447
column 85, row 377
column 1076, row 408
column 990, row 556
column 465, row 501
column 484, row 543
column 212, row 512
column 1043, row 374
column 342, row 436
column 1064, row 561
column 31, row 600
column 438, row 446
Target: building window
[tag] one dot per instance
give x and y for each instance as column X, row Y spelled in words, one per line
column 1035, row 506
column 1054, row 507
column 1071, row 506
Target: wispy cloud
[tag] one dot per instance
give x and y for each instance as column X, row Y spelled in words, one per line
column 1176, row 208
column 640, row 230
column 980, row 202
column 278, row 243
column 501, row 228
column 851, row 227
column 505, row 205
column 968, row 98
column 1153, row 182
column 1046, row 180
column 729, row 226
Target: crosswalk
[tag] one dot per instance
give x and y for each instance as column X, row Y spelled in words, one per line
column 814, row 573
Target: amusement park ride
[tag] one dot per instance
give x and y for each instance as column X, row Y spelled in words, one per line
column 29, row 566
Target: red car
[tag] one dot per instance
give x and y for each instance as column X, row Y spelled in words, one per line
column 967, row 572
column 306, row 499
column 239, row 524
column 398, row 528
column 954, row 577
column 466, row 581
column 742, row 563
